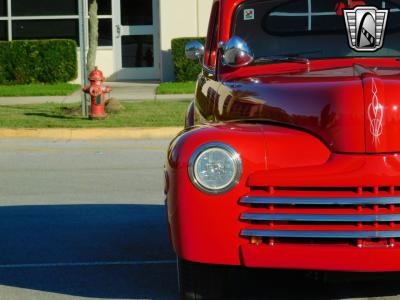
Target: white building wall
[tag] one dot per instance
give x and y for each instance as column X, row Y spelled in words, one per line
column 204, row 15
column 180, row 18
column 105, row 61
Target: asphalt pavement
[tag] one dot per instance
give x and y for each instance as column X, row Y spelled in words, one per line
column 85, row 220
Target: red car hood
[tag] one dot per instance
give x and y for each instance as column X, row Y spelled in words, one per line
column 353, row 109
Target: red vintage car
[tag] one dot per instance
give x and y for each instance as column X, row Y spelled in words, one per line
column 290, row 155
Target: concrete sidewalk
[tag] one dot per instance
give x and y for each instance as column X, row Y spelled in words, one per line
column 123, row 91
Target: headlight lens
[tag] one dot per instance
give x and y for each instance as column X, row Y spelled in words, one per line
column 215, row 168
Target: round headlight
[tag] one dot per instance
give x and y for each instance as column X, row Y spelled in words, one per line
column 215, row 168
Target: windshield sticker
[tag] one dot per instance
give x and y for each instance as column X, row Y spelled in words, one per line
column 347, row 5
column 249, row 14
column 366, row 27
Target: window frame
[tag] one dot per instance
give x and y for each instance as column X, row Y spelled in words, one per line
column 9, row 18
column 274, row 4
column 211, row 47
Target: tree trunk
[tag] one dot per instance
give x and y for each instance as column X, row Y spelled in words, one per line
column 93, row 35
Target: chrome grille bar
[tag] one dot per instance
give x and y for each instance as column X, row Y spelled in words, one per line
column 320, row 217
column 320, row 201
column 319, row 234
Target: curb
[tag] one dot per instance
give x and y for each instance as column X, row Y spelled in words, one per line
column 91, row 133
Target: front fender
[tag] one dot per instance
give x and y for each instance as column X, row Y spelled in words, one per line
column 205, row 228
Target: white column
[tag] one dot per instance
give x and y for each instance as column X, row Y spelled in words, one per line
column 9, row 23
column 82, row 48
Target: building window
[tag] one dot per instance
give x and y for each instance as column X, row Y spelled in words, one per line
column 137, row 51
column 3, row 31
column 105, row 32
column 45, row 29
column 104, row 7
column 50, row 19
column 105, row 22
column 44, row 7
column 3, row 8
column 3, row 20
column 134, row 13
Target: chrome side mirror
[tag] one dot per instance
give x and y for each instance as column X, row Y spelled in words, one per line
column 236, row 53
column 194, row 50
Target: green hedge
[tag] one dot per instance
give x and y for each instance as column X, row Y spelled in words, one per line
column 30, row 61
column 185, row 70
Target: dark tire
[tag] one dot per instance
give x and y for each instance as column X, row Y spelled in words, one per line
column 200, row 281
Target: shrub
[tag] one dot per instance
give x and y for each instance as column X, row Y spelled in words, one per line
column 185, row 69
column 3, row 75
column 30, row 61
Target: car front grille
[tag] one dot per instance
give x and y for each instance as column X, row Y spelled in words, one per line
column 359, row 216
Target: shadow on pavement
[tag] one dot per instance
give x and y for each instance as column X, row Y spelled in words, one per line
column 123, row 252
column 101, row 251
column 302, row 285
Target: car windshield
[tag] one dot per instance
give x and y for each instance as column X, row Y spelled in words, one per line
column 316, row 29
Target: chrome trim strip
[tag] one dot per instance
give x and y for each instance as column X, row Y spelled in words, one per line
column 319, row 217
column 320, row 201
column 319, row 234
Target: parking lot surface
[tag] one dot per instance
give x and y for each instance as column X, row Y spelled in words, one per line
column 85, row 220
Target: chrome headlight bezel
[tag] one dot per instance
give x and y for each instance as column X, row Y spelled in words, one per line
column 234, row 156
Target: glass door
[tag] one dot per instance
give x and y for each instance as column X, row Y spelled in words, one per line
column 137, row 44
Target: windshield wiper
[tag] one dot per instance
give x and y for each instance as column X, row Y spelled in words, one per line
column 279, row 59
column 288, row 57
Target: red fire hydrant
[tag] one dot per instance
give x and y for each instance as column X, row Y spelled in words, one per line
column 97, row 90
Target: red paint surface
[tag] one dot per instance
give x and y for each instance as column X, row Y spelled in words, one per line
column 301, row 131
column 331, row 99
column 337, row 258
